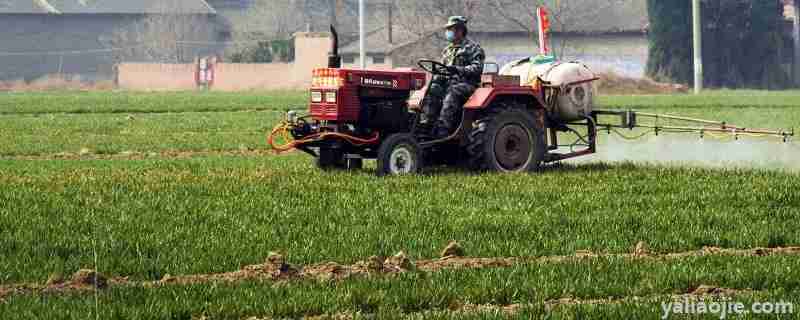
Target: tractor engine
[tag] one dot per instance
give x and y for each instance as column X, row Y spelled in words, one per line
column 368, row 100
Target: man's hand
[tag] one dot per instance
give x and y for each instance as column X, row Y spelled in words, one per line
column 454, row 70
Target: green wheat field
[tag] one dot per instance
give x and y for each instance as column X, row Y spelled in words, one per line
column 143, row 186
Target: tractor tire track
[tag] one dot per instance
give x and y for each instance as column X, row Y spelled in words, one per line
column 138, row 112
column 701, row 293
column 276, row 269
column 136, row 155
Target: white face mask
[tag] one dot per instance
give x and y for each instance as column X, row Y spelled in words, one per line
column 450, row 35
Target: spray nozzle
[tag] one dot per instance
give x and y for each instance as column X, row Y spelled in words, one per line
column 735, row 134
column 787, row 135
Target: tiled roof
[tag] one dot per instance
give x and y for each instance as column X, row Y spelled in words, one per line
column 106, row 6
column 377, row 41
column 25, row 6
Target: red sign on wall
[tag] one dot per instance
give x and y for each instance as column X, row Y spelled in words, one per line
column 205, row 71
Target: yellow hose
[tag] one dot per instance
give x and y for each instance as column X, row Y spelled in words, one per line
column 282, row 131
column 623, row 136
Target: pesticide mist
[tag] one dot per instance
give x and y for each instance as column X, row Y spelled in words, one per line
column 680, row 150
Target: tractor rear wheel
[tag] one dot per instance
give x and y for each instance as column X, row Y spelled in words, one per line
column 507, row 139
column 400, row 154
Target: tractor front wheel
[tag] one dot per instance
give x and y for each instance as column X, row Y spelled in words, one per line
column 507, row 140
column 400, row 154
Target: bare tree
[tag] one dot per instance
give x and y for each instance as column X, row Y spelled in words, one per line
column 423, row 17
column 422, row 22
column 566, row 16
column 267, row 20
column 253, row 31
column 161, row 36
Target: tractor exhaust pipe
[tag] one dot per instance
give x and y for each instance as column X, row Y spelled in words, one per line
column 334, row 59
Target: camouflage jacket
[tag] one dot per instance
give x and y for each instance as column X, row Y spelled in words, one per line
column 468, row 56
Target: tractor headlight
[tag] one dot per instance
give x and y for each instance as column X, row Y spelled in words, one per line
column 330, row 97
column 316, row 96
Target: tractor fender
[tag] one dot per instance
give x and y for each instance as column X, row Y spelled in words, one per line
column 483, row 97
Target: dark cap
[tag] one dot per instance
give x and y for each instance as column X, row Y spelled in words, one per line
column 456, row 21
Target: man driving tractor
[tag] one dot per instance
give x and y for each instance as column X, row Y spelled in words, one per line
column 447, row 94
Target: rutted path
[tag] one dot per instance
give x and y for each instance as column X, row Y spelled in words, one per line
column 703, row 292
column 275, row 268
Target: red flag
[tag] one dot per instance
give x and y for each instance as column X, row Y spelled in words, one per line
column 544, row 28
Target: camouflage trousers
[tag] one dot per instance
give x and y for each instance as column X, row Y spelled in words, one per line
column 444, row 104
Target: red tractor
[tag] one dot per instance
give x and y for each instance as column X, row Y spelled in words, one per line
column 510, row 124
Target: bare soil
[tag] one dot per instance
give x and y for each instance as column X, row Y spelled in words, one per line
column 55, row 82
column 703, row 292
column 276, row 269
column 612, row 83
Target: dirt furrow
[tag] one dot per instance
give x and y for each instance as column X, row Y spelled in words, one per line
column 703, row 292
column 276, row 268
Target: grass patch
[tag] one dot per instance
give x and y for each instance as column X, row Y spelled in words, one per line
column 47, row 123
column 149, row 218
column 415, row 292
column 48, row 134
column 148, row 102
column 731, row 99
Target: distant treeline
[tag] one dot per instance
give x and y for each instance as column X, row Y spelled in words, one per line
column 263, row 52
column 743, row 43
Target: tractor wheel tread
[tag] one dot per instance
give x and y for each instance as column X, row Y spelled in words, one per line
column 475, row 146
column 389, row 145
column 481, row 155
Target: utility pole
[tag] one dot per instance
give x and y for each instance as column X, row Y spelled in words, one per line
column 796, row 37
column 332, row 7
column 698, row 46
column 361, row 34
column 390, row 22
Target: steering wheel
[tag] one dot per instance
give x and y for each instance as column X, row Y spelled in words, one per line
column 434, row 67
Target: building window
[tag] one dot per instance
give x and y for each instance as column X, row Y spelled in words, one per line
column 349, row 59
column 379, row 59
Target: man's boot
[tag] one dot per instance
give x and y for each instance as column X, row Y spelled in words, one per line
column 424, row 125
column 441, row 131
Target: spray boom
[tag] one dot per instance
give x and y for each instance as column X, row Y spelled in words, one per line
column 663, row 123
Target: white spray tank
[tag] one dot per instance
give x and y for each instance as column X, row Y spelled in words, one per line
column 575, row 98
